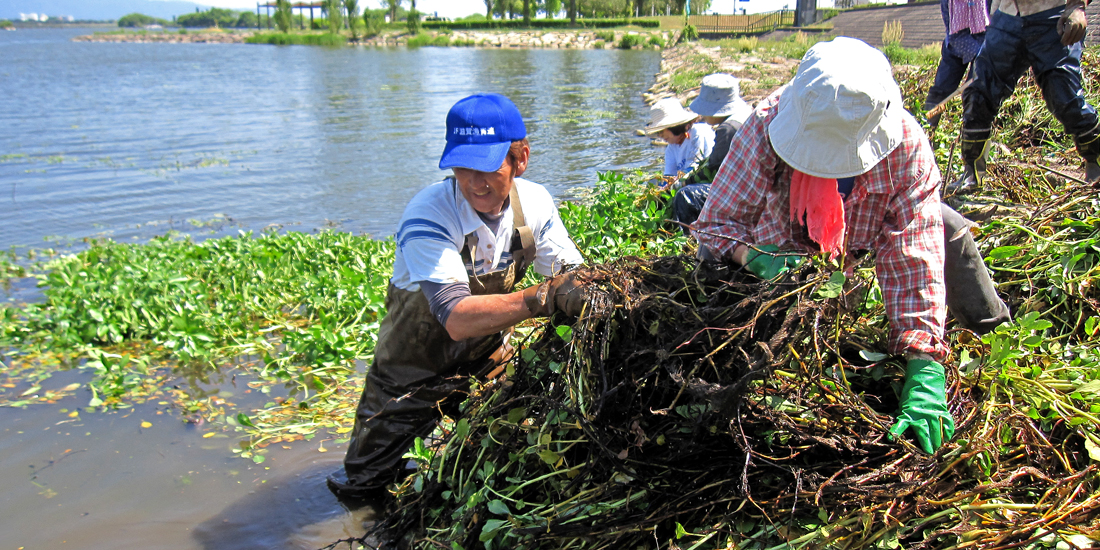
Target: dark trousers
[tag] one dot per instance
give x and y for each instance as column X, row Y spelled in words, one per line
column 949, row 75
column 971, row 297
column 1012, row 45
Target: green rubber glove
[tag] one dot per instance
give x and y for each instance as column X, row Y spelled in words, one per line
column 924, row 405
column 765, row 262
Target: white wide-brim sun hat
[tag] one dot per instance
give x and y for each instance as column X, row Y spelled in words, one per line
column 667, row 113
column 720, row 96
column 841, row 113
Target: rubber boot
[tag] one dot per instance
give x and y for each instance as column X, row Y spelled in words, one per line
column 1088, row 146
column 975, row 147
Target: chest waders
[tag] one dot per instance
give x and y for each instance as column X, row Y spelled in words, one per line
column 417, row 367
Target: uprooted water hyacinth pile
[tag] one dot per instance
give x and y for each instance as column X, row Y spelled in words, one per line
column 692, row 406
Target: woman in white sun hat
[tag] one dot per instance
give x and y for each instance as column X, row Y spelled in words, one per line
column 687, row 142
column 719, row 103
column 832, row 164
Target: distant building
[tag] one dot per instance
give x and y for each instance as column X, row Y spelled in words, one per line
column 28, row 17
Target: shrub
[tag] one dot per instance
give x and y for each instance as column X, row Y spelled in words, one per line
column 599, row 44
column 285, row 39
column 628, row 41
column 689, row 33
column 892, row 33
column 419, row 40
column 656, row 41
column 441, row 40
column 606, row 36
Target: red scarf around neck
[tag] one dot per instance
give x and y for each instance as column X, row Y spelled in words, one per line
column 817, row 203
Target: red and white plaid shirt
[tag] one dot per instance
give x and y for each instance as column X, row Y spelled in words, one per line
column 893, row 210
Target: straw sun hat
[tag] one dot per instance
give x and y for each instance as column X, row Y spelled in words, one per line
column 842, row 112
column 667, row 113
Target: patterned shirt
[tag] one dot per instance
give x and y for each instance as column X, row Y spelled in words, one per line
column 893, row 210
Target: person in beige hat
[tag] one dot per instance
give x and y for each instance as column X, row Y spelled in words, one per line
column 719, row 103
column 832, row 164
column 688, row 142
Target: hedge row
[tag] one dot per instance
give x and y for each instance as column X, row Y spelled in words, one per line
column 541, row 24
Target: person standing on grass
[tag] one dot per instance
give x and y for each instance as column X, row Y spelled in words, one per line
column 462, row 245
column 832, row 163
column 965, row 22
column 1046, row 36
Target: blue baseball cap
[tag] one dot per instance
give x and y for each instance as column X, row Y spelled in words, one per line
column 480, row 129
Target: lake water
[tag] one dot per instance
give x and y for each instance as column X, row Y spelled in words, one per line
column 131, row 140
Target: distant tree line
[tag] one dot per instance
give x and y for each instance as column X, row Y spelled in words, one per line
column 141, row 20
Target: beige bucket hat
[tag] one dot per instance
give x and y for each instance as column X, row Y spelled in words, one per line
column 667, row 113
column 720, row 96
column 841, row 113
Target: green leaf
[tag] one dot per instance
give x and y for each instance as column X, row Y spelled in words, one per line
column 565, row 332
column 489, row 530
column 1093, row 448
column 834, row 287
column 244, row 420
column 258, row 459
column 1003, row 252
column 872, row 356
column 680, row 531
column 549, row 457
column 1090, row 326
column 1089, row 390
column 499, row 508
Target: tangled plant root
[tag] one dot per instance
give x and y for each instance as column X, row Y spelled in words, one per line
column 693, row 401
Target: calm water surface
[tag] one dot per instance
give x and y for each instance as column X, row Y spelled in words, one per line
column 126, row 140
column 131, row 140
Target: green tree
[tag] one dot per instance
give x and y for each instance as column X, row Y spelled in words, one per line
column 247, row 20
column 413, row 18
column 573, row 12
column 334, row 13
column 527, row 12
column 352, row 9
column 373, row 21
column 213, row 17
column 551, row 8
column 393, row 6
column 140, row 20
column 489, row 9
column 283, row 15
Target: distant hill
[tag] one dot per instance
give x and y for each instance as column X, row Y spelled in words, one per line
column 99, row 10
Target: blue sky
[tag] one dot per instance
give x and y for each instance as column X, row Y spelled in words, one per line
column 461, row 8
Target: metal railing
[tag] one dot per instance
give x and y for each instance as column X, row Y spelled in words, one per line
column 742, row 24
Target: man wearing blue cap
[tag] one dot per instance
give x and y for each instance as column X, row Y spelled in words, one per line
column 462, row 244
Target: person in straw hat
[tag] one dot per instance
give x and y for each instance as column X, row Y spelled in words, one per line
column 687, row 142
column 719, row 103
column 832, row 163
